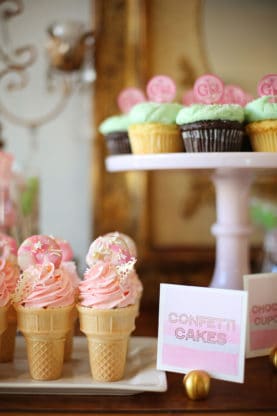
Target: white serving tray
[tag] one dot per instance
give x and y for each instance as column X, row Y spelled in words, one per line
column 140, row 374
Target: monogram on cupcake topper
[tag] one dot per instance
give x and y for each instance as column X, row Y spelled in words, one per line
column 268, row 86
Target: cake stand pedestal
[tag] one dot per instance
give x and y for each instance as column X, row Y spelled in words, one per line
column 232, row 175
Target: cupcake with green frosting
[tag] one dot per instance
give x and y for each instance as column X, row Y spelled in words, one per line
column 261, row 127
column 115, row 131
column 153, row 128
column 211, row 127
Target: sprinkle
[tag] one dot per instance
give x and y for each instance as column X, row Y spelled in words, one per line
column 37, row 246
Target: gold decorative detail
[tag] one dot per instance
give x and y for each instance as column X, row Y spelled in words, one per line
column 125, row 269
column 17, row 62
column 66, row 46
column 197, row 384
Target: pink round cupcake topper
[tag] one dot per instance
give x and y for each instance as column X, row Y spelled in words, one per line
column 8, row 246
column 268, row 85
column 131, row 245
column 208, row 89
column 67, row 252
column 39, row 249
column 108, row 248
column 189, row 98
column 130, row 97
column 233, row 94
column 161, row 89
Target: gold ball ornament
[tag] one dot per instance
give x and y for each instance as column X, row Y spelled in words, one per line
column 273, row 357
column 197, row 384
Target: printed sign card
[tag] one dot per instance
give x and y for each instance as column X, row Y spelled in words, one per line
column 262, row 313
column 202, row 329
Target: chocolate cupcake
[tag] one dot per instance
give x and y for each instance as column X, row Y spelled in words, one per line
column 115, row 131
column 211, row 128
column 118, row 142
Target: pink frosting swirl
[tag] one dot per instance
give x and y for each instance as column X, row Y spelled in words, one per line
column 4, row 292
column 104, row 288
column 10, row 272
column 135, row 283
column 44, row 286
column 69, row 267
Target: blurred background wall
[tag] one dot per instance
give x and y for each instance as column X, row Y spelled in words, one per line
column 64, row 144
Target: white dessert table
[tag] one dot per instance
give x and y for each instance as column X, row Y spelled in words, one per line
column 232, row 174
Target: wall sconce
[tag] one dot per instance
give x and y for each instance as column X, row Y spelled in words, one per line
column 70, row 51
column 70, row 57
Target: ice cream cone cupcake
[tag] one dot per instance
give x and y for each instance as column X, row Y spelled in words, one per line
column 10, row 270
column 4, row 306
column 7, row 348
column 45, row 332
column 107, row 332
column 107, row 306
column 44, row 301
column 3, row 322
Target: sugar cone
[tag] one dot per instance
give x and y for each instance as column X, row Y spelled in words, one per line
column 45, row 332
column 107, row 332
column 3, row 321
column 68, row 347
column 8, row 344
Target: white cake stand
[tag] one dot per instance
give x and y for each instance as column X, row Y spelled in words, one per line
column 232, row 175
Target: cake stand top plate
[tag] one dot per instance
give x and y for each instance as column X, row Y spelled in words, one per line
column 254, row 161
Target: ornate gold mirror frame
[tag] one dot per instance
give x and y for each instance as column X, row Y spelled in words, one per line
column 127, row 33
column 119, row 199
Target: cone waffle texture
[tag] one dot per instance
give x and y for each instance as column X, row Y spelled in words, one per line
column 155, row 138
column 263, row 135
column 108, row 333
column 8, row 345
column 45, row 331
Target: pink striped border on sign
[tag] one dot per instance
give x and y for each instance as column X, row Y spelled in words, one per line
column 262, row 313
column 202, row 329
